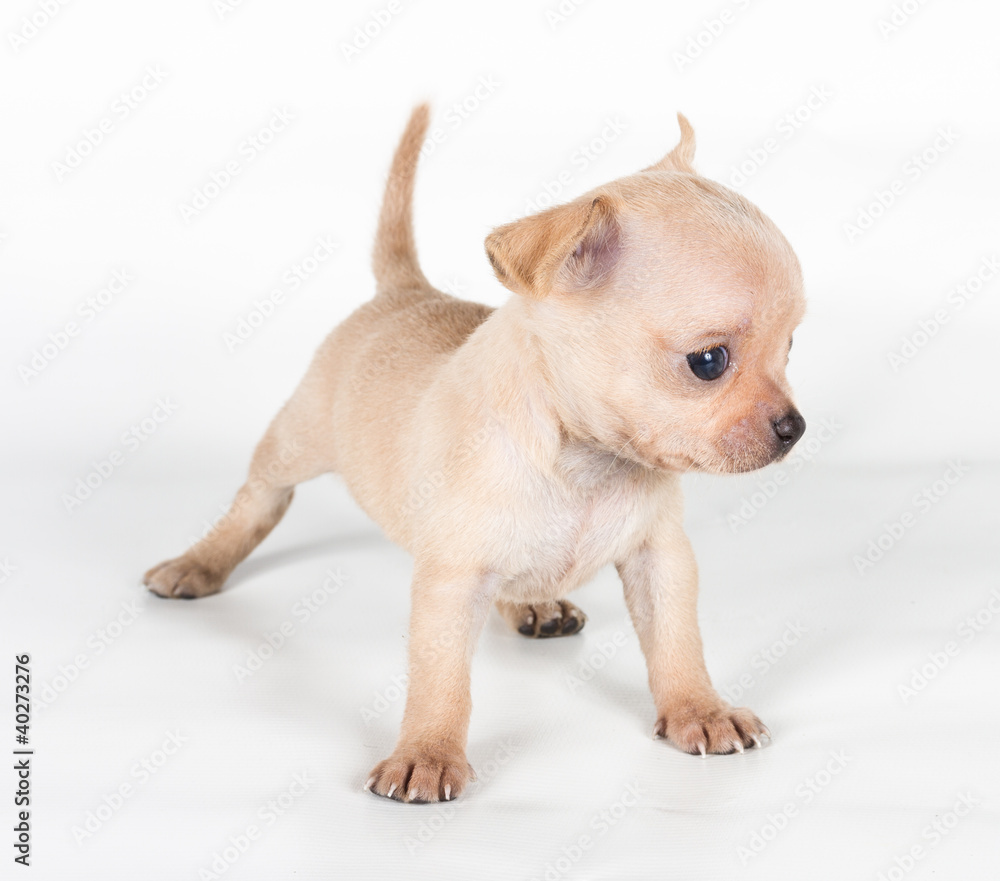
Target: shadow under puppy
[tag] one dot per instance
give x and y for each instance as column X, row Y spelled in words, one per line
column 648, row 336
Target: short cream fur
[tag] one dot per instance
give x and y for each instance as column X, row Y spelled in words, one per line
column 553, row 431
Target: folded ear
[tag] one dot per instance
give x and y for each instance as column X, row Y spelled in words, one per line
column 682, row 156
column 573, row 247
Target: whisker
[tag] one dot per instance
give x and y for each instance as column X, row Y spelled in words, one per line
column 612, row 465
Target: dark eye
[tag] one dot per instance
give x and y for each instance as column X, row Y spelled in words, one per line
column 710, row 364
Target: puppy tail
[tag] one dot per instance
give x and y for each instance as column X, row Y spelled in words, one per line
column 394, row 260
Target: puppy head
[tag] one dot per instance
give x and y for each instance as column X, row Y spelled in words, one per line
column 663, row 306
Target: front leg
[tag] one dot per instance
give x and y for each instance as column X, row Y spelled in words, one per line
column 661, row 590
column 447, row 614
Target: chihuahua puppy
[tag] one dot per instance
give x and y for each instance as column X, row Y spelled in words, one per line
column 516, row 451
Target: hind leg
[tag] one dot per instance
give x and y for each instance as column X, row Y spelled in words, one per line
column 294, row 449
column 540, row 620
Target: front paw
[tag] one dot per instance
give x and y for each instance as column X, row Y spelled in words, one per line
column 418, row 775
column 710, row 726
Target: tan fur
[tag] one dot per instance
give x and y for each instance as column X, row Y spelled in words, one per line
column 516, row 451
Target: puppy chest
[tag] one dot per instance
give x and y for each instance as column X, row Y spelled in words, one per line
column 563, row 545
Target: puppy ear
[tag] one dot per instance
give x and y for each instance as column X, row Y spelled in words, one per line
column 573, row 246
column 682, row 156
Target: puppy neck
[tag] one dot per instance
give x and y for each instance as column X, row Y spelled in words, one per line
column 508, row 378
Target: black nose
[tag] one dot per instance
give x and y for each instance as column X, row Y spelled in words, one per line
column 789, row 428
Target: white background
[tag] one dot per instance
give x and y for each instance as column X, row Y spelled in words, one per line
column 896, row 408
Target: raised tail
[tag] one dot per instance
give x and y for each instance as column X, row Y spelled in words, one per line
column 395, row 256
